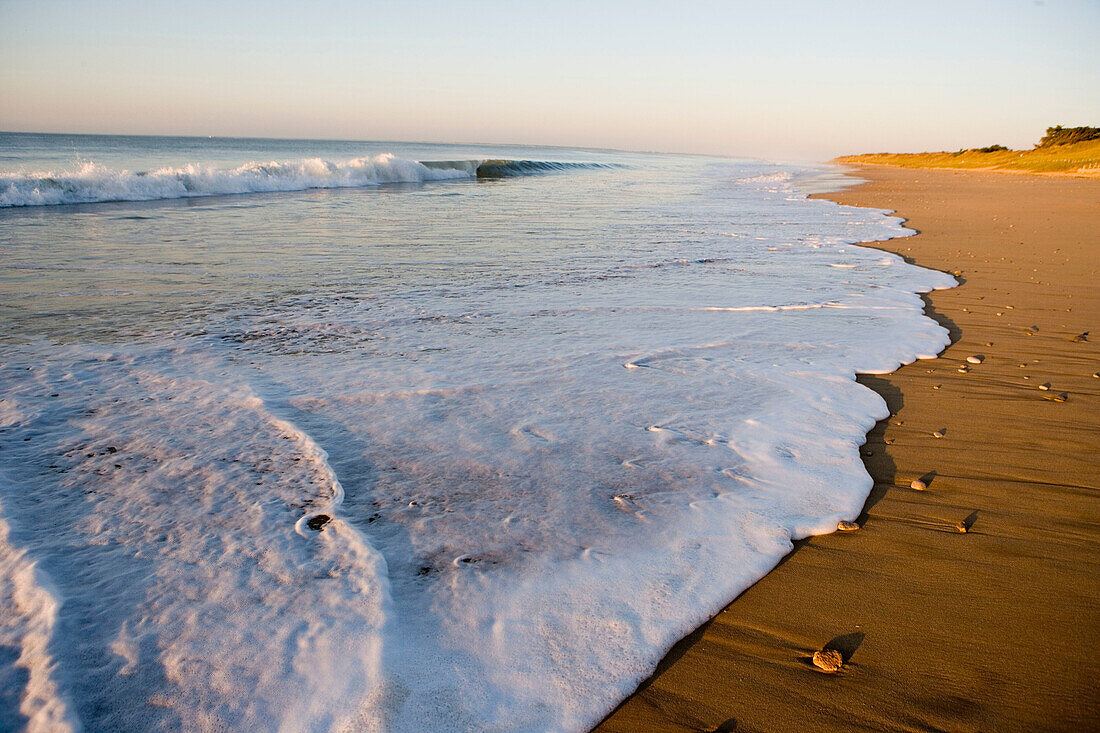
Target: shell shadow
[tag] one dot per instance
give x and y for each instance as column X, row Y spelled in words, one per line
column 846, row 644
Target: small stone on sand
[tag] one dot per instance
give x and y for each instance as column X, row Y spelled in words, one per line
column 1061, row 397
column 918, row 484
column 828, row 660
column 845, row 526
column 1045, row 386
column 940, row 433
column 962, row 528
column 1081, row 337
column 318, row 522
column 964, row 369
column 976, row 358
column 1096, row 375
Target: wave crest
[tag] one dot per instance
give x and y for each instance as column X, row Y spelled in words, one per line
column 93, row 183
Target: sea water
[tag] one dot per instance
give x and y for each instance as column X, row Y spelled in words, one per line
column 377, row 436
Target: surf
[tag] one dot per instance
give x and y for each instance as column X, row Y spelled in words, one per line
column 90, row 182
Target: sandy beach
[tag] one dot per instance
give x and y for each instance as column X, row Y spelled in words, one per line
column 996, row 628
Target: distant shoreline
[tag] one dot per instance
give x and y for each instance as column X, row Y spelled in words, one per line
column 1080, row 159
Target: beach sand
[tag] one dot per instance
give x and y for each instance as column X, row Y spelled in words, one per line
column 995, row 629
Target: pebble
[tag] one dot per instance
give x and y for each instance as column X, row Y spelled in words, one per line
column 1080, row 337
column 976, row 358
column 1045, row 386
column 940, row 433
column 1061, row 397
column 961, row 527
column 318, row 522
column 964, row 369
column 1096, row 375
column 845, row 526
column 828, row 660
column 936, row 386
column 918, row 484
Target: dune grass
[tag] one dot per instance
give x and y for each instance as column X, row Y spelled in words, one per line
column 1081, row 158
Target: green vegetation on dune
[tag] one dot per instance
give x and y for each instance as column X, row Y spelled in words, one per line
column 1059, row 135
column 1073, row 150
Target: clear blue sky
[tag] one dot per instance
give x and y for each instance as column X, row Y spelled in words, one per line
column 782, row 79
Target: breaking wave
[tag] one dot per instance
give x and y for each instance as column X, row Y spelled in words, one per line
column 93, row 183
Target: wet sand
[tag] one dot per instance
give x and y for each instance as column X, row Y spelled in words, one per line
column 994, row 629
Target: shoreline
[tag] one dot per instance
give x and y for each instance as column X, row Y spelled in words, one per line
column 995, row 628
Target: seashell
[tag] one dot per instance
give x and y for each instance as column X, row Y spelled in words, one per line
column 976, row 358
column 845, row 526
column 828, row 660
column 918, row 484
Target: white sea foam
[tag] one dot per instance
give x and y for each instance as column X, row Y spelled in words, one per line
column 519, row 526
column 216, row 606
column 31, row 699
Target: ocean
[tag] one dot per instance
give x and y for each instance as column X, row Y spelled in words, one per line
column 316, row 435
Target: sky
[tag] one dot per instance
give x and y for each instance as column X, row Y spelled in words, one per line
column 780, row 79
